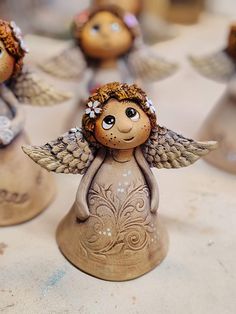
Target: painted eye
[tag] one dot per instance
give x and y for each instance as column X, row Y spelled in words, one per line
column 115, row 27
column 108, row 122
column 132, row 114
column 95, row 29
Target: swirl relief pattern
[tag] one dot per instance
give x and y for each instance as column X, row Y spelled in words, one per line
column 118, row 226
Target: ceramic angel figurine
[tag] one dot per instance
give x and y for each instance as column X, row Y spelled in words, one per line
column 108, row 42
column 221, row 123
column 113, row 231
column 24, row 190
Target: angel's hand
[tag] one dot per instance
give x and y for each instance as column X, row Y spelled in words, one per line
column 82, row 212
column 6, row 133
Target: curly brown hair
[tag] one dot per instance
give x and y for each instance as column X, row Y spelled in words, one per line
column 81, row 19
column 121, row 92
column 12, row 45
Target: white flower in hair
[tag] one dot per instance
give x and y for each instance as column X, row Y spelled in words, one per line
column 6, row 134
column 150, row 106
column 18, row 34
column 93, row 109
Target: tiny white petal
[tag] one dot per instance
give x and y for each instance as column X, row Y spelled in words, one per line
column 92, row 114
column 88, row 110
column 96, row 103
column 90, row 104
column 97, row 110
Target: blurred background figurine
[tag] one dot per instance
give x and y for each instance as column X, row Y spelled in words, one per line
column 113, row 230
column 108, row 46
column 151, row 15
column 221, row 123
column 24, row 190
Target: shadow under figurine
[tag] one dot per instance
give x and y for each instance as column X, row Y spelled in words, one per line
column 220, row 125
column 108, row 47
column 113, row 230
column 24, row 189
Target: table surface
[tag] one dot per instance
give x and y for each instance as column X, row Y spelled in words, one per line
column 198, row 205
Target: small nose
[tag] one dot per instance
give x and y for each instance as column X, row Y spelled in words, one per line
column 125, row 126
column 106, row 31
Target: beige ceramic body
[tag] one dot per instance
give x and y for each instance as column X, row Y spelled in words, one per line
column 122, row 238
column 221, row 126
column 113, row 267
column 25, row 189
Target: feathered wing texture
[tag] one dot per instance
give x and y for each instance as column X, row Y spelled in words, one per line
column 217, row 66
column 29, row 88
column 70, row 64
column 70, row 153
column 167, row 149
column 146, row 65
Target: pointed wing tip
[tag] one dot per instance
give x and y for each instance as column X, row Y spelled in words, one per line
column 210, row 145
column 26, row 149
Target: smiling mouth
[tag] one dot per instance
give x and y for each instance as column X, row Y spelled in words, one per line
column 129, row 139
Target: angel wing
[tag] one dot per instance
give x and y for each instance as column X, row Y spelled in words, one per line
column 167, row 149
column 70, row 153
column 29, row 88
column 70, row 64
column 217, row 66
column 148, row 66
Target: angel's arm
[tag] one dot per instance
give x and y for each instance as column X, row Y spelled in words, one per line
column 81, row 205
column 149, row 178
column 217, row 66
column 70, row 64
column 167, row 149
column 29, row 88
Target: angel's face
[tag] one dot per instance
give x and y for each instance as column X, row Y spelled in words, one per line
column 122, row 125
column 7, row 63
column 105, row 36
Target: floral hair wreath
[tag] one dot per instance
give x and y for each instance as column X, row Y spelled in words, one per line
column 18, row 35
column 93, row 110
